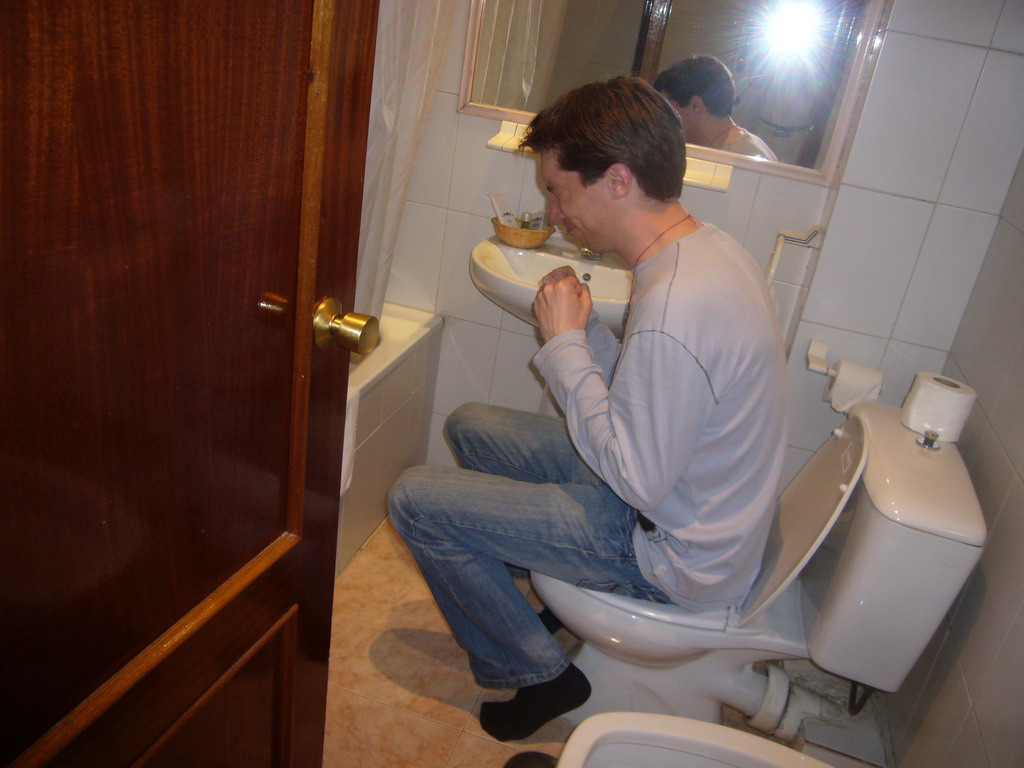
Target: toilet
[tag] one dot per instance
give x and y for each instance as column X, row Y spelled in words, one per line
column 629, row 740
column 871, row 543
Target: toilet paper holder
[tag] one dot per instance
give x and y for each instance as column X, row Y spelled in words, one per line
column 817, row 354
column 849, row 383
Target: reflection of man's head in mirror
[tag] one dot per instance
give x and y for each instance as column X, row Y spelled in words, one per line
column 702, row 91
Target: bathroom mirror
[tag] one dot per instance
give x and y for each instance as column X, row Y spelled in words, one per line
column 798, row 65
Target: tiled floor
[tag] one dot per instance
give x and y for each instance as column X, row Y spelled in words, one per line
column 401, row 693
column 400, row 690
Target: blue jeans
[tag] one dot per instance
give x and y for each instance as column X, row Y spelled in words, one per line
column 523, row 499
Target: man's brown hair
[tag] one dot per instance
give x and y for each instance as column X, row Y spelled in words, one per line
column 703, row 76
column 623, row 120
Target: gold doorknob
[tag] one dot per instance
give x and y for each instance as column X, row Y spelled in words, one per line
column 355, row 332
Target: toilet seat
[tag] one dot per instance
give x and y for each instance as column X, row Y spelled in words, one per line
column 669, row 613
column 657, row 633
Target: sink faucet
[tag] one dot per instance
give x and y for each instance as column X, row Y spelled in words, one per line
column 590, row 255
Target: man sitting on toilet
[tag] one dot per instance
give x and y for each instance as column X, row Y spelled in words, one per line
column 660, row 482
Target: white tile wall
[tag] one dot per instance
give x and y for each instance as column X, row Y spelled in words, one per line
column 1002, row 700
column 939, row 717
column 967, row 746
column 944, row 275
column 780, row 204
column 985, row 665
column 451, row 71
column 904, row 719
column 867, row 261
column 946, row 20
column 989, row 338
column 1009, row 414
column 916, row 106
column 1009, row 35
column 979, row 174
column 456, row 293
column 901, row 363
column 1013, row 208
column 729, row 210
column 930, row 166
column 794, row 262
column 466, row 368
column 416, row 266
column 787, row 300
column 438, row 452
column 991, row 471
column 479, row 170
column 990, row 602
column 516, row 382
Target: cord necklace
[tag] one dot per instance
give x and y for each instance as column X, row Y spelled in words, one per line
column 720, row 135
column 660, row 234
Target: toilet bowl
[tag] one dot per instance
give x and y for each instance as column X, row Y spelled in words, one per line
column 629, row 740
column 882, row 533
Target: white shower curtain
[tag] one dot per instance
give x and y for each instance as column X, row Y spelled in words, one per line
column 518, row 45
column 412, row 38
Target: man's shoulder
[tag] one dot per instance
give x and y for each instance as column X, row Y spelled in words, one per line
column 752, row 145
column 713, row 254
column 711, row 281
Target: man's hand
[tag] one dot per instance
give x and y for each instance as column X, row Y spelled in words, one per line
column 563, row 303
column 557, row 274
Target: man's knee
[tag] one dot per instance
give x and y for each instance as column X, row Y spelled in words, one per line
column 466, row 420
column 403, row 495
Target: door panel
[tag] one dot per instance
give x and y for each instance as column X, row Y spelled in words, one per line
column 224, row 728
column 150, row 702
column 163, row 245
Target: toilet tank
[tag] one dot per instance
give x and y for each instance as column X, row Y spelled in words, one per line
column 879, row 585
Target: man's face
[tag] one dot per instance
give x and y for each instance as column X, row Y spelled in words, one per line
column 688, row 116
column 576, row 207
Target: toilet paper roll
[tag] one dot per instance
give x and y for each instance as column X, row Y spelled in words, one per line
column 938, row 404
column 852, row 384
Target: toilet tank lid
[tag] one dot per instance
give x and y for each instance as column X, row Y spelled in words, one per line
column 805, row 513
column 924, row 489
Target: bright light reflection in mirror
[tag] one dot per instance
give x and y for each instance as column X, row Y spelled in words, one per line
column 793, row 30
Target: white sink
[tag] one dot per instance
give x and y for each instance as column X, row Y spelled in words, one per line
column 510, row 277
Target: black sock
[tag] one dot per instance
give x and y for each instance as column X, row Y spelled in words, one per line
column 551, row 622
column 532, row 760
column 535, row 705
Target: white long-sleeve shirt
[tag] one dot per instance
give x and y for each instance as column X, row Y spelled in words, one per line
column 686, row 419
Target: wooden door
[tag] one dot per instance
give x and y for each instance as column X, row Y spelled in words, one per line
column 181, row 185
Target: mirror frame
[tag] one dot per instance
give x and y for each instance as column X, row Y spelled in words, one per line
column 849, row 106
